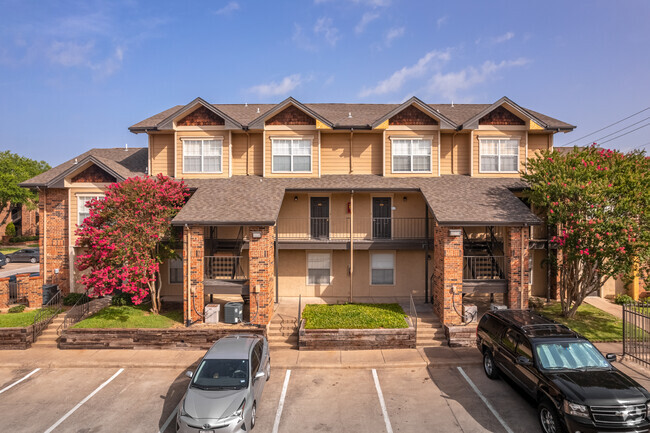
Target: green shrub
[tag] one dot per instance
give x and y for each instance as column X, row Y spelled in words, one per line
column 623, row 299
column 121, row 299
column 10, row 230
column 72, row 298
column 20, row 239
column 17, row 309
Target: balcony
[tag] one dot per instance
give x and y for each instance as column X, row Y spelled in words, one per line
column 224, row 275
column 366, row 230
column 484, row 274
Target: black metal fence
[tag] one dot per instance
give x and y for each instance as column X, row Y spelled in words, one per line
column 78, row 312
column 47, row 313
column 13, row 292
column 636, row 332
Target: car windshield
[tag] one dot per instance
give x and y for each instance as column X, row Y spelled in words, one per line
column 215, row 374
column 574, row 355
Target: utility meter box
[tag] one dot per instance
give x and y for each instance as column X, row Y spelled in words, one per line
column 212, row 313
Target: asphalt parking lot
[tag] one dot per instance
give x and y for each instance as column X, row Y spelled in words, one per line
column 313, row 400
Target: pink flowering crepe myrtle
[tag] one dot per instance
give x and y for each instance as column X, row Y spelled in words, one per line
column 121, row 238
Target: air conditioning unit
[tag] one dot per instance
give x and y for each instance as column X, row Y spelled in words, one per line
column 212, row 313
column 234, row 312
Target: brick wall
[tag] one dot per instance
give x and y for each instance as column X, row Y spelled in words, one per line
column 4, row 292
column 448, row 275
column 193, row 243
column 30, row 290
column 261, row 272
column 53, row 210
column 516, row 258
column 29, row 226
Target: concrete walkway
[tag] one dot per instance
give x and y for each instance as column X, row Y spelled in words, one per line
column 603, row 304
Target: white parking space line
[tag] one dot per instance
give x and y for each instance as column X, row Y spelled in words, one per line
column 71, row 411
column 169, row 420
column 485, row 400
column 18, row 381
column 382, row 403
column 278, row 414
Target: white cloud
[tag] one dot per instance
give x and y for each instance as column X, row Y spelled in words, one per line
column 503, row 38
column 449, row 84
column 431, row 60
column 70, row 53
column 393, row 34
column 325, row 27
column 441, row 21
column 273, row 88
column 366, row 19
column 302, row 40
column 110, row 65
column 230, row 7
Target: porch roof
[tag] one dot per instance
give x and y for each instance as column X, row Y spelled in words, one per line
column 453, row 199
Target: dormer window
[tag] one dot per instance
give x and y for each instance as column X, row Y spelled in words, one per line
column 202, row 155
column 291, row 155
column 499, row 155
column 411, row 155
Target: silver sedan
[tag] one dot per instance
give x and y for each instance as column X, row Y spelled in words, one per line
column 223, row 394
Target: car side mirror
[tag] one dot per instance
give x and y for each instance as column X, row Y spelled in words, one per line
column 611, row 357
column 524, row 360
column 189, row 374
column 259, row 375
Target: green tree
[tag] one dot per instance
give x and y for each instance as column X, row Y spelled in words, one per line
column 599, row 200
column 13, row 170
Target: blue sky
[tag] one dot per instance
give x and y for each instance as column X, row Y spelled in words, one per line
column 76, row 74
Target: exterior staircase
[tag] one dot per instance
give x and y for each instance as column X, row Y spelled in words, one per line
column 430, row 332
column 283, row 332
column 49, row 337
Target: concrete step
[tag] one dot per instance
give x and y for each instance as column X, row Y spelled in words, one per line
column 282, row 334
column 279, row 345
column 423, row 334
column 431, row 343
column 281, row 339
column 274, row 326
column 45, row 343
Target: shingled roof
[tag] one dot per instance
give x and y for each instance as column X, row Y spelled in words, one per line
column 346, row 115
column 119, row 162
column 453, row 200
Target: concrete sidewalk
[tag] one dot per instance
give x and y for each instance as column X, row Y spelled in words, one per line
column 281, row 358
column 603, row 304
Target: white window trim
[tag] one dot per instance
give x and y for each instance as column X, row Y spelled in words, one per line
column 394, row 268
column 498, row 155
column 169, row 271
column 307, row 268
column 311, row 154
column 81, row 197
column 202, row 139
column 392, row 155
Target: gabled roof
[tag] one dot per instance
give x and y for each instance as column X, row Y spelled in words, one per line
column 167, row 123
column 118, row 162
column 259, row 122
column 445, row 123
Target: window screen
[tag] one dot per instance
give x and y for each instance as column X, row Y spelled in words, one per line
column 411, row 155
column 291, row 155
column 175, row 271
column 202, row 156
column 82, row 211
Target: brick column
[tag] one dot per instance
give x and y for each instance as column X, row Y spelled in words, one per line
column 24, row 287
column 516, row 258
column 193, row 244
column 4, row 292
column 261, row 273
column 448, row 275
column 53, row 239
column 35, row 292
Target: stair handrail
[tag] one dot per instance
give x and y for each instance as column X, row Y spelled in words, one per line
column 78, row 311
column 413, row 313
column 47, row 313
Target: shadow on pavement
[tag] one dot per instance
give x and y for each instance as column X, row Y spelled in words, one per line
column 172, row 398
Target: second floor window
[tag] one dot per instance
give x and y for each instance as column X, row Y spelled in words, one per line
column 82, row 211
column 202, row 156
column 411, row 155
column 291, row 155
column 499, row 155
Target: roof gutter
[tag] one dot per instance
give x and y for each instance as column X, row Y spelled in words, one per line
column 351, row 127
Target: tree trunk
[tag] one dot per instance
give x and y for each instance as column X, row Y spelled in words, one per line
column 578, row 279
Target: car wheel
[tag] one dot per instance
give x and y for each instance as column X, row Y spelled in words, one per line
column 253, row 410
column 548, row 418
column 8, row 259
column 488, row 365
column 32, row 260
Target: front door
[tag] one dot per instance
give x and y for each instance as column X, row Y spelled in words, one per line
column 381, row 218
column 320, row 214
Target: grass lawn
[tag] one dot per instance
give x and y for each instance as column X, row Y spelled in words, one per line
column 11, row 320
column 131, row 317
column 353, row 316
column 589, row 321
column 10, row 250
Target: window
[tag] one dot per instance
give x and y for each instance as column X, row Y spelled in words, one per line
column 499, row 155
column 411, row 155
column 291, row 155
column 175, row 271
column 510, row 340
column 82, row 211
column 318, row 268
column 383, row 268
column 202, row 156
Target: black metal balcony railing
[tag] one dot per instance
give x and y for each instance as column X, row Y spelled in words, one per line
column 364, row 228
column 483, row 267
column 223, row 268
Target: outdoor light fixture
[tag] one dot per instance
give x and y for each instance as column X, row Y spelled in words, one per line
column 295, row 198
column 404, row 199
column 455, row 232
column 256, row 235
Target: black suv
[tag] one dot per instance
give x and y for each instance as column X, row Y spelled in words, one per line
column 575, row 387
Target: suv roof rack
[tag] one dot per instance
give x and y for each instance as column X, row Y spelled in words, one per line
column 535, row 325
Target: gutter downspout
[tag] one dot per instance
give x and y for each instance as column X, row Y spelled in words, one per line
column 351, row 242
column 453, row 145
column 351, row 135
column 188, row 321
column 248, row 148
column 45, row 236
column 521, row 264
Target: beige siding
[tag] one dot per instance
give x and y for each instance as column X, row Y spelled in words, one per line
column 246, row 154
column 220, row 134
column 409, row 276
column 335, row 153
column 299, row 133
column 161, row 153
column 428, row 134
column 537, row 143
column 539, row 273
column 366, row 153
column 521, row 135
column 170, row 292
column 73, row 211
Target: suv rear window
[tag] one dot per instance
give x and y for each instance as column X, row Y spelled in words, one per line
column 491, row 325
